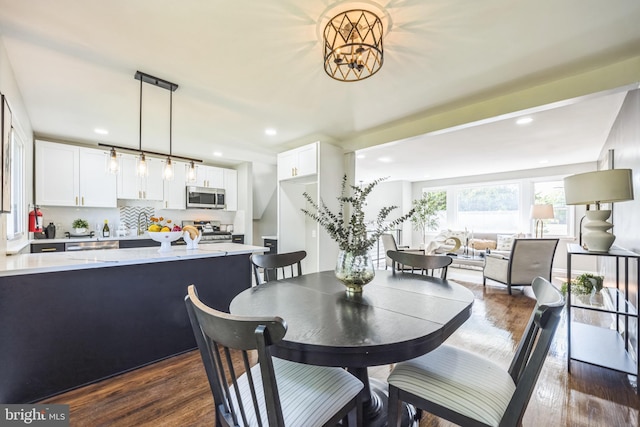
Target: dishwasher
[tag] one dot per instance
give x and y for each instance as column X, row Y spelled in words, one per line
column 88, row 246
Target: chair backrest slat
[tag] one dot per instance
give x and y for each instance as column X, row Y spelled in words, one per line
column 274, row 266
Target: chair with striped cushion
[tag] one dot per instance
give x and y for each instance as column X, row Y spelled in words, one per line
column 273, row 392
column 468, row 389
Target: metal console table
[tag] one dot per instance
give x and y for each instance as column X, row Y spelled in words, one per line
column 599, row 346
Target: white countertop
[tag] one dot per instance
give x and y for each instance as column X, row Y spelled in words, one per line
column 66, row 261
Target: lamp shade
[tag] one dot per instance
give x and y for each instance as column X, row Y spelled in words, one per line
column 542, row 211
column 606, row 186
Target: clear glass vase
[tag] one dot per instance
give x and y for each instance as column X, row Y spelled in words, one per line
column 354, row 269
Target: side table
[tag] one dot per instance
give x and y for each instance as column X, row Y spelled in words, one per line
column 599, row 346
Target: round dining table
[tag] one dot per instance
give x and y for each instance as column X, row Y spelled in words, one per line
column 398, row 317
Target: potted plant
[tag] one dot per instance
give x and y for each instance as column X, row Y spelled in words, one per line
column 586, row 284
column 80, row 225
column 425, row 214
column 347, row 227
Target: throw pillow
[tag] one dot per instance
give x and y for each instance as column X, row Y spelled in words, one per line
column 505, row 242
column 482, row 244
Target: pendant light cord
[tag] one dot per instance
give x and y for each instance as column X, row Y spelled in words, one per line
column 140, row 122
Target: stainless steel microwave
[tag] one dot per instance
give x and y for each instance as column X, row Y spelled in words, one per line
column 205, row 198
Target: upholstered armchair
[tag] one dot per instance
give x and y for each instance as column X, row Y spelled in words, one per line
column 529, row 258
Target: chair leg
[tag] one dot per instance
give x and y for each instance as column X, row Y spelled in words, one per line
column 509, row 288
column 393, row 410
column 484, row 281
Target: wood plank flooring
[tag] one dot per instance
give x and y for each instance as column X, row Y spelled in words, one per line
column 175, row 392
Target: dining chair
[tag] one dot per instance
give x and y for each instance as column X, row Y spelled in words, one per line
column 274, row 265
column 273, row 392
column 470, row 390
column 389, row 244
column 425, row 264
column 528, row 259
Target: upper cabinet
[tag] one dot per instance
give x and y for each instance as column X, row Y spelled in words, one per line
column 175, row 191
column 209, row 176
column 68, row 175
column 298, row 162
column 133, row 187
column 231, row 189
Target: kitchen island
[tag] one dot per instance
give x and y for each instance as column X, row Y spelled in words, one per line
column 72, row 318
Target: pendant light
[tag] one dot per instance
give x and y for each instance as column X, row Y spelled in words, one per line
column 168, row 167
column 191, row 172
column 141, row 167
column 112, row 162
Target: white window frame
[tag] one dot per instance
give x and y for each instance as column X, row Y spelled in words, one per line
column 18, row 187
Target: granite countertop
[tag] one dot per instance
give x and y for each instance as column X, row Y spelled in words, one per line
column 77, row 260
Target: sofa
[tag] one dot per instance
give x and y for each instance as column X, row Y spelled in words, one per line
column 469, row 248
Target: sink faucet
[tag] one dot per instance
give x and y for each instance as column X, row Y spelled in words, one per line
column 144, row 224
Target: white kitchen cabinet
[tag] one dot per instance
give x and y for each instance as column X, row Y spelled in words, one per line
column 296, row 231
column 299, row 162
column 231, row 189
column 68, row 175
column 133, row 187
column 209, row 176
column 175, row 196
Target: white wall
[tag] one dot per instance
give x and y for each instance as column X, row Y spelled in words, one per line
column 9, row 88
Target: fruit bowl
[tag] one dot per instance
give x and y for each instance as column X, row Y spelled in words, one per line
column 165, row 238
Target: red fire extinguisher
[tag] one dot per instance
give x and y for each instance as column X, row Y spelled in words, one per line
column 35, row 220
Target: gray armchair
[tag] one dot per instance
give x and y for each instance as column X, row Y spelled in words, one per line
column 529, row 258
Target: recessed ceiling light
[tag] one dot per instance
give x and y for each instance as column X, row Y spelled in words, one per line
column 543, row 162
column 271, row 131
column 384, row 159
column 100, row 131
column 217, row 154
column 360, row 156
column 524, row 120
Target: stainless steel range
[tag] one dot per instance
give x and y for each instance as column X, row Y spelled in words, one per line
column 210, row 231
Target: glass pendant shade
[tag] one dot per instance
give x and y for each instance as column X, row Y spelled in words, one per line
column 112, row 162
column 142, row 168
column 191, row 172
column 168, row 170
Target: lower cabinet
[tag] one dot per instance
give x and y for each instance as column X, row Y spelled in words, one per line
column 272, row 244
column 37, row 248
column 237, row 238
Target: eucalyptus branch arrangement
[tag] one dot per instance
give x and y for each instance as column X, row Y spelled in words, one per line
column 349, row 228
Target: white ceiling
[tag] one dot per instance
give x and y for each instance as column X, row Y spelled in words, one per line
column 244, row 66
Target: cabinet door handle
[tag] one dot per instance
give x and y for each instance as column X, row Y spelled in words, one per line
column 76, row 200
column 144, row 194
column 82, row 200
column 48, row 250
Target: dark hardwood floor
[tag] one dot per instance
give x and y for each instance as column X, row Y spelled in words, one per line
column 175, row 392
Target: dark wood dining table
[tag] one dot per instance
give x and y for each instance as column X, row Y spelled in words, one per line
column 398, row 317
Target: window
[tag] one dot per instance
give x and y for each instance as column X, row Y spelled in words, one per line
column 489, row 208
column 504, row 206
column 552, row 192
column 16, row 218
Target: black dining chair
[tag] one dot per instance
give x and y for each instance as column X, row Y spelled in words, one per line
column 274, row 265
column 273, row 392
column 424, row 264
column 470, row 390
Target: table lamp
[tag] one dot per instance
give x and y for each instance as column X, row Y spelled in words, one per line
column 606, row 186
column 540, row 212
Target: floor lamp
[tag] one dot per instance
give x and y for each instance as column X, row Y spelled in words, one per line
column 539, row 213
column 607, row 186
